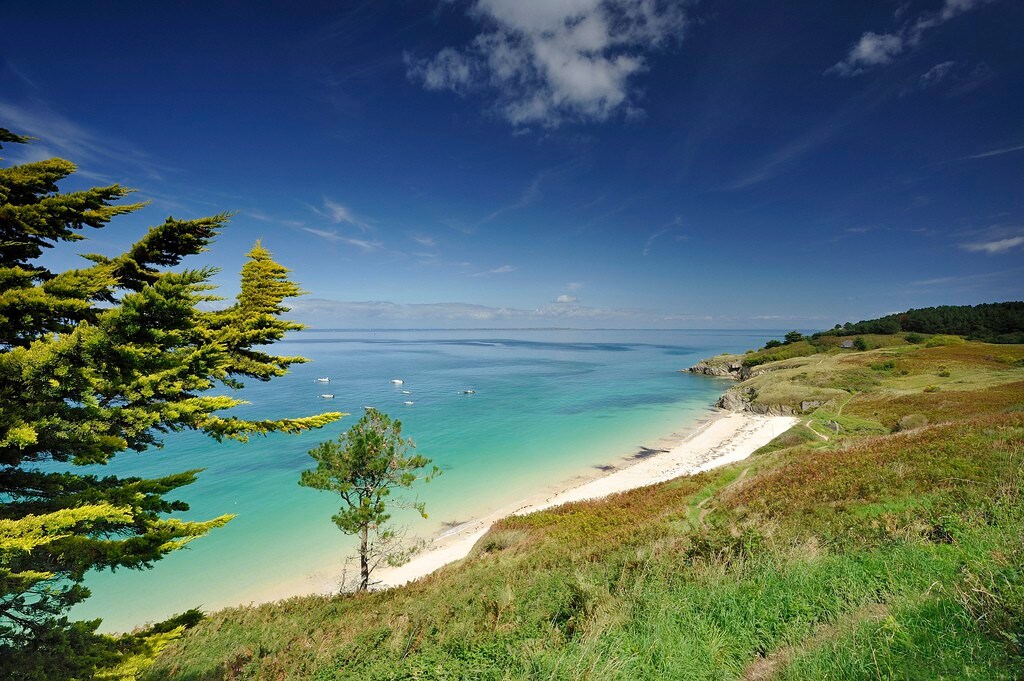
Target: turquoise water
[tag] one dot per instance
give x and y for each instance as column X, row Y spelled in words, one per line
column 549, row 405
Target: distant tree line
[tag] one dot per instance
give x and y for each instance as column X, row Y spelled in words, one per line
column 989, row 322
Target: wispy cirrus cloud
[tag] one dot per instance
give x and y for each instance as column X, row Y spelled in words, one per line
column 338, row 213
column 935, row 75
column 528, row 197
column 993, row 152
column 19, row 74
column 335, row 237
column 423, row 240
column 1006, row 280
column 58, row 135
column 530, row 194
column 952, row 79
column 671, row 228
column 545, row 62
column 504, row 269
column 879, row 49
column 994, row 246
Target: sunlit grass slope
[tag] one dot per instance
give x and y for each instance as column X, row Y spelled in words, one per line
column 869, row 554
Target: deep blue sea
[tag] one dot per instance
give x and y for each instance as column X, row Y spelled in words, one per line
column 549, row 405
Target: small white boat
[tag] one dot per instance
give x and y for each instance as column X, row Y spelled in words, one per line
column 407, row 392
column 323, row 380
column 397, row 381
column 367, row 407
column 327, row 396
column 409, row 403
column 469, row 392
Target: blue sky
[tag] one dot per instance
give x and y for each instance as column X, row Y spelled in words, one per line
column 553, row 162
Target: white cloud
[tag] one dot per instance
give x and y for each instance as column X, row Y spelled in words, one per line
column 994, row 246
column 504, row 269
column 333, row 236
column 574, row 286
column 529, row 195
column 422, row 240
column 59, row 135
column 935, row 74
column 953, row 79
column 651, row 239
column 879, row 49
column 565, row 299
column 993, row 152
column 337, row 213
column 545, row 62
column 668, row 228
column 871, row 50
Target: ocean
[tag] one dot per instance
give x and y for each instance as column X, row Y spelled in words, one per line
column 548, row 406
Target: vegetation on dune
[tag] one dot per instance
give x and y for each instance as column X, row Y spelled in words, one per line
column 94, row 362
column 840, row 550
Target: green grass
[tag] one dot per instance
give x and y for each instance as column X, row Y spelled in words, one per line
column 868, row 555
column 894, row 370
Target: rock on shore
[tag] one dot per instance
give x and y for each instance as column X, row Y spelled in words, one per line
column 728, row 366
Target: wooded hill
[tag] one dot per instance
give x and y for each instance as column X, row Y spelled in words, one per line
column 989, row 322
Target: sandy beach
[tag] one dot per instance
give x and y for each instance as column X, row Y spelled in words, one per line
column 726, row 438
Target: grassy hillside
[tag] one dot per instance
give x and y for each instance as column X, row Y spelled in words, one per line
column 861, row 553
column 863, row 383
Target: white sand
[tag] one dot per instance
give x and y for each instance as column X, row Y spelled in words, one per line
column 728, row 438
column 725, row 438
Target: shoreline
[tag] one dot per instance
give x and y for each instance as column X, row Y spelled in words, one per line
column 717, row 440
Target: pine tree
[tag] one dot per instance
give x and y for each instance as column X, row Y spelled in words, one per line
column 362, row 467
column 100, row 360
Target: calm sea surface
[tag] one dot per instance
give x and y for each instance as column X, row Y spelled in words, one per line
column 548, row 406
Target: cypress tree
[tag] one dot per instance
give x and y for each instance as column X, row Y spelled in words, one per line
column 100, row 360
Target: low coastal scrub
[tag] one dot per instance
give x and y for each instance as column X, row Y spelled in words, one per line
column 839, row 550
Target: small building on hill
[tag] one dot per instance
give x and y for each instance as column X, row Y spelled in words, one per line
column 847, row 345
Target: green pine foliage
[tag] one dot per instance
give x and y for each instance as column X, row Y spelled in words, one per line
column 96, row 361
column 990, row 322
column 362, row 467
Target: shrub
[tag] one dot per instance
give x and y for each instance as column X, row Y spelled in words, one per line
column 859, row 343
column 932, row 389
column 914, row 338
column 772, row 344
column 911, row 421
column 942, row 339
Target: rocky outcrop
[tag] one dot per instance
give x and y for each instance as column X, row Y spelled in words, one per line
column 745, row 399
column 728, row 367
column 736, row 399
